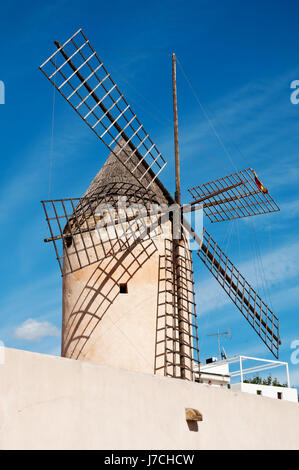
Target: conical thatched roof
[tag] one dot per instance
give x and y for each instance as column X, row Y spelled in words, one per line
column 114, row 178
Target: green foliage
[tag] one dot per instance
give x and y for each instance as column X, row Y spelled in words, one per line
column 257, row 380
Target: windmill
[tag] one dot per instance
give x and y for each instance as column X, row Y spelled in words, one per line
column 129, row 301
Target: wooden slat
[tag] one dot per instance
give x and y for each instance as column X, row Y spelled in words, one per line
column 81, row 78
column 234, row 196
column 263, row 321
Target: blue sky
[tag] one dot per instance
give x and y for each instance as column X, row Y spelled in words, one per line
column 240, row 59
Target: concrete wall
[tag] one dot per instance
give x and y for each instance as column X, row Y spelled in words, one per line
column 55, row 403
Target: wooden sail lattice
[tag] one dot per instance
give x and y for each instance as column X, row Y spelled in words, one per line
column 80, row 76
column 252, row 307
column 234, row 196
column 168, row 356
column 89, row 229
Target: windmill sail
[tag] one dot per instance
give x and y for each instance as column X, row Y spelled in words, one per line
column 257, row 313
column 82, row 79
column 241, row 194
column 92, row 228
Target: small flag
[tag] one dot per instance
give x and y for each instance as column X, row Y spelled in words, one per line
column 259, row 183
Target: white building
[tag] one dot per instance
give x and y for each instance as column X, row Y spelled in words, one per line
column 215, row 373
column 222, row 374
column 281, row 393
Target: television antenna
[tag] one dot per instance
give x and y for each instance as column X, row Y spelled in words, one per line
column 219, row 334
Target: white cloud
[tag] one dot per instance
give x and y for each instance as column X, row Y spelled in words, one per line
column 282, row 172
column 55, row 351
column 289, row 209
column 32, row 330
column 211, row 296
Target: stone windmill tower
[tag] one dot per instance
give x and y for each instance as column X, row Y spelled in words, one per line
column 128, row 290
column 115, row 310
